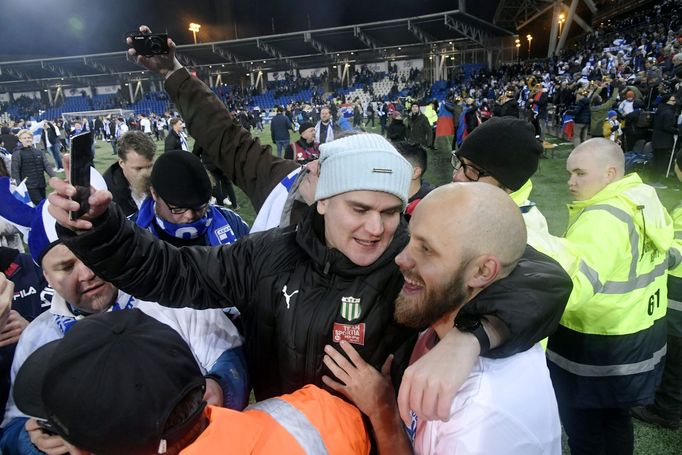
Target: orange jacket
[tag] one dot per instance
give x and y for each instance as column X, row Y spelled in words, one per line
column 307, row 421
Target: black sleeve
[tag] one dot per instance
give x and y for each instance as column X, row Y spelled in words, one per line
column 530, row 302
column 150, row 269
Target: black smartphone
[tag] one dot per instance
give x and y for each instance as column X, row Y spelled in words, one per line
column 47, row 427
column 79, row 176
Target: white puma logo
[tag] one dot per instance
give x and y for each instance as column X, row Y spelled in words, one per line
column 288, row 297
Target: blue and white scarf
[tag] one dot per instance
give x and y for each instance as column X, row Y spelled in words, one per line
column 213, row 224
column 64, row 315
column 270, row 213
column 330, row 131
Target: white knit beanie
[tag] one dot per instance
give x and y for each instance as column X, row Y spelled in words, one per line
column 362, row 162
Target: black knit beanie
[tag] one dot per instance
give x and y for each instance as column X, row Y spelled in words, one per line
column 506, row 148
column 181, row 180
column 304, row 126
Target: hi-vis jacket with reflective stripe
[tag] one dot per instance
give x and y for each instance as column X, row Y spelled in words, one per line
column 309, row 421
column 538, row 231
column 608, row 349
column 674, row 315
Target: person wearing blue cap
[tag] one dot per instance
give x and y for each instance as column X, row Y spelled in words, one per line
column 612, row 128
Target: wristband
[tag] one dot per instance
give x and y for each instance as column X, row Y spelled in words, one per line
column 473, row 325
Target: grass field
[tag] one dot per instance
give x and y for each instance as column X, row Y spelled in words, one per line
column 551, row 196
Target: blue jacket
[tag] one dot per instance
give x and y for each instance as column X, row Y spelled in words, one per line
column 279, row 128
column 581, row 112
column 30, row 299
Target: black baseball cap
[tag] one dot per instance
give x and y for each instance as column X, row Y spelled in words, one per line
column 111, row 383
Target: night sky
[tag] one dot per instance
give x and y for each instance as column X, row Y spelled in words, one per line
column 49, row 28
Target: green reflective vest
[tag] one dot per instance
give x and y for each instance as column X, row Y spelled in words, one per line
column 621, row 237
column 609, row 346
column 674, row 315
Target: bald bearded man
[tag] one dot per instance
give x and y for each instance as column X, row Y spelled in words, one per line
column 506, row 405
column 606, row 356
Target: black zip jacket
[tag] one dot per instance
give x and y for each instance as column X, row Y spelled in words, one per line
column 285, row 336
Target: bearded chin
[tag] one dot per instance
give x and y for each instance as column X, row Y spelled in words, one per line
column 422, row 313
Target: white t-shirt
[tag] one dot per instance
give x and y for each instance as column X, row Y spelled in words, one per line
column 506, row 407
column 146, row 125
column 138, row 199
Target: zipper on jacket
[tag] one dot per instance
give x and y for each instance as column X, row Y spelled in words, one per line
column 313, row 337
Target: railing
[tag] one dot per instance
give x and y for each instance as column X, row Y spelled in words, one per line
column 619, row 8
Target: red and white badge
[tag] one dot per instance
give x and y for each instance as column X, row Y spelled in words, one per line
column 352, row 333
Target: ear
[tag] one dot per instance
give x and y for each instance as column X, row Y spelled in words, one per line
column 416, row 172
column 153, row 193
column 322, row 206
column 611, row 174
column 484, row 271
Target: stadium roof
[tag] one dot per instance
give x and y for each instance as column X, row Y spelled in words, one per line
column 413, row 37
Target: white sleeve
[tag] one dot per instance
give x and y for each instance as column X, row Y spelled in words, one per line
column 208, row 333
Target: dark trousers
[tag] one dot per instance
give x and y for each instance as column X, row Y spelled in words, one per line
column 669, row 394
column 598, row 431
column 36, row 195
column 223, row 188
column 580, row 131
column 660, row 162
column 55, row 149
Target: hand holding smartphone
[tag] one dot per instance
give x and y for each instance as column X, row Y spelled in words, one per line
column 47, row 427
column 79, row 174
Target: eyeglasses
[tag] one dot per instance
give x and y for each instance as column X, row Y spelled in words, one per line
column 180, row 210
column 471, row 172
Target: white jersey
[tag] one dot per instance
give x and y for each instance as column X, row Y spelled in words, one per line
column 146, row 125
column 209, row 333
column 506, row 406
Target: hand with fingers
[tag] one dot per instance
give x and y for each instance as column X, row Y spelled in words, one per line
column 61, row 203
column 46, row 442
column 372, row 392
column 429, row 385
column 13, row 328
column 163, row 64
column 361, row 383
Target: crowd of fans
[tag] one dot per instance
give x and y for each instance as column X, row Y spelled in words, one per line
column 309, row 302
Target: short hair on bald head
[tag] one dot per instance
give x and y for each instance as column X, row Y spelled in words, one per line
column 491, row 223
column 606, row 152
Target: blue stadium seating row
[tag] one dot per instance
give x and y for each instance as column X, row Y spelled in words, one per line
column 154, row 102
